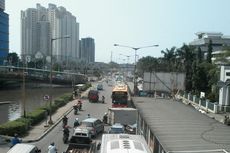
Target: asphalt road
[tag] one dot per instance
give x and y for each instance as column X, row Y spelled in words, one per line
column 96, row 110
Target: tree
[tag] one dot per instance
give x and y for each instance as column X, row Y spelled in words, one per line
column 187, row 54
column 170, row 56
column 13, row 59
column 147, row 64
column 209, row 54
column 199, row 56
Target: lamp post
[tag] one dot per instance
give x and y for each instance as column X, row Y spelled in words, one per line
column 51, row 71
column 126, row 63
column 135, row 49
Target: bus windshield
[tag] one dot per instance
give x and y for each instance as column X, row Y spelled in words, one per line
column 119, row 97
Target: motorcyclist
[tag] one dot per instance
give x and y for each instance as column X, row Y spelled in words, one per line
column 105, row 118
column 76, row 122
column 103, row 99
column 64, row 120
column 79, row 103
column 66, row 133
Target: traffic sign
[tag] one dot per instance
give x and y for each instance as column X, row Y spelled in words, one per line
column 46, row 97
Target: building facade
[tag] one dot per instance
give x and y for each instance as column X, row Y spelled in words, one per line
column 87, row 50
column 40, row 25
column 219, row 42
column 4, row 33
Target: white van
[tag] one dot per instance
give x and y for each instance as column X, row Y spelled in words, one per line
column 24, row 148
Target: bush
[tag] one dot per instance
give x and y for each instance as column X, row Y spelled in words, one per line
column 37, row 116
column 19, row 126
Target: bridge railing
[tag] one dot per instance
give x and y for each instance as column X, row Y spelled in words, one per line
column 198, row 103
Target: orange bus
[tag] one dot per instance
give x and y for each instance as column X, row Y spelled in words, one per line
column 120, row 95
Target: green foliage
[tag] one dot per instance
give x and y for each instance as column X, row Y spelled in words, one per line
column 12, row 58
column 36, row 116
column 19, row 126
column 209, row 54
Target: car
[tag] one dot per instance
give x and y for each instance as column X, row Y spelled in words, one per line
column 94, row 125
column 24, row 148
column 93, row 95
column 99, row 87
column 116, row 128
column 131, row 129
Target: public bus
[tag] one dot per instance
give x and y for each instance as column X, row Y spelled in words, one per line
column 120, row 95
column 125, row 143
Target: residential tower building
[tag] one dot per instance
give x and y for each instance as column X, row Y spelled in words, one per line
column 41, row 25
column 87, row 50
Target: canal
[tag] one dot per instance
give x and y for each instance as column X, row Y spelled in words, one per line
column 13, row 108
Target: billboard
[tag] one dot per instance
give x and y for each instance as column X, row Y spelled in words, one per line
column 163, row 81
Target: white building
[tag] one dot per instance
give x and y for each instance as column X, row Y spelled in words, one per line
column 219, row 42
column 40, row 25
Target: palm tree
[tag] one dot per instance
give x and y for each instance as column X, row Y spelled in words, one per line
column 169, row 57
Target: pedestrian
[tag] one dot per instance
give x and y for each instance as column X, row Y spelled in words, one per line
column 15, row 140
column 52, row 148
column 88, row 116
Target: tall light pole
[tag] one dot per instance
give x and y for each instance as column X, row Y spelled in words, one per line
column 135, row 49
column 51, row 71
column 126, row 64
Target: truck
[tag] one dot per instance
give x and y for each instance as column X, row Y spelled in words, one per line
column 124, row 116
column 81, row 142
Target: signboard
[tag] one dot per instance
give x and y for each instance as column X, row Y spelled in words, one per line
column 46, row 97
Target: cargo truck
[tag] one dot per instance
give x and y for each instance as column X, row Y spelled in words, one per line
column 81, row 142
column 124, row 116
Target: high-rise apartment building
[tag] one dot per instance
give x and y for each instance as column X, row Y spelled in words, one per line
column 87, row 50
column 4, row 32
column 40, row 25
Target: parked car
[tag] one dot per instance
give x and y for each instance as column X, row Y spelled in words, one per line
column 93, row 95
column 94, row 125
column 116, row 128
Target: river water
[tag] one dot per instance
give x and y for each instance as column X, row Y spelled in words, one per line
column 34, row 99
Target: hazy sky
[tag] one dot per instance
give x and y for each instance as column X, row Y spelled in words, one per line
column 133, row 23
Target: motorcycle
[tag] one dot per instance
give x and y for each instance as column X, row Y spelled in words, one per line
column 64, row 121
column 65, row 134
column 76, row 109
column 65, row 138
column 105, row 118
column 103, row 99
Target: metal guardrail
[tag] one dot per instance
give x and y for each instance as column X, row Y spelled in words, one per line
column 198, row 103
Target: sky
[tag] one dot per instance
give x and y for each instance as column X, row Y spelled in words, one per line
column 134, row 23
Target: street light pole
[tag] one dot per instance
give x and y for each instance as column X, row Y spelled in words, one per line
column 135, row 49
column 51, row 71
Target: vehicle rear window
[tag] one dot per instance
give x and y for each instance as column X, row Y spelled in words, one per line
column 87, row 124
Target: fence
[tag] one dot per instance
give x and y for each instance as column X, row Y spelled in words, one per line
column 198, row 103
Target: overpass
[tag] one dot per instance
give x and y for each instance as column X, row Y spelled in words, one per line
column 15, row 74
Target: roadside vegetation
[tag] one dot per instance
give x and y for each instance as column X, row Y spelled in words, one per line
column 201, row 74
column 23, row 124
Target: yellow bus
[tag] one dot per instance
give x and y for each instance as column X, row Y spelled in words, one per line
column 120, row 95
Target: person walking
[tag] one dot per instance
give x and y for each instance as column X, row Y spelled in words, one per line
column 88, row 115
column 52, row 148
